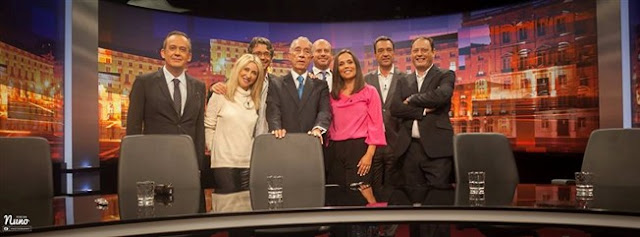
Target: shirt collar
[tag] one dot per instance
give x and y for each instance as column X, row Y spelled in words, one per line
column 169, row 77
column 425, row 73
column 390, row 72
column 295, row 75
column 317, row 71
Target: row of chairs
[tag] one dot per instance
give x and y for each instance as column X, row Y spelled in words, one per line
column 25, row 166
column 613, row 155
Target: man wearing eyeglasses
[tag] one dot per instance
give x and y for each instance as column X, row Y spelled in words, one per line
column 169, row 101
column 296, row 103
column 261, row 47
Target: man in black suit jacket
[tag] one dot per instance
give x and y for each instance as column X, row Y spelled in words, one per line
column 384, row 168
column 423, row 101
column 168, row 101
column 296, row 102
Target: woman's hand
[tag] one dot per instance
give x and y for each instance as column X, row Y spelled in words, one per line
column 364, row 166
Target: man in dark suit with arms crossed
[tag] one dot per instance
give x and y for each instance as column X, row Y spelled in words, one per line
column 423, row 101
column 169, row 101
column 385, row 169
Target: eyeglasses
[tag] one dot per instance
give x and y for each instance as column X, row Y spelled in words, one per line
column 299, row 51
column 262, row 54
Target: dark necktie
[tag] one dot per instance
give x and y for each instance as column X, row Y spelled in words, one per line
column 300, row 86
column 324, row 75
column 177, row 96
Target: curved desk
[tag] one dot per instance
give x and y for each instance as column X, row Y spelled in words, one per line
column 535, row 206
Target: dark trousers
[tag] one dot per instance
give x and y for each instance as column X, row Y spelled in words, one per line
column 385, row 168
column 421, row 171
column 343, row 159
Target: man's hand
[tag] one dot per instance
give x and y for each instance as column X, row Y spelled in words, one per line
column 279, row 133
column 428, row 110
column 316, row 132
column 219, row 88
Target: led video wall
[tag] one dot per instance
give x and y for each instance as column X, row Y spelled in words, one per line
column 31, row 71
column 634, row 34
column 528, row 71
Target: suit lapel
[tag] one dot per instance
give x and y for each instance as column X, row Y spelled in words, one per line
column 433, row 72
column 190, row 96
column 306, row 92
column 161, row 81
column 290, row 87
column 373, row 79
column 413, row 83
column 392, row 88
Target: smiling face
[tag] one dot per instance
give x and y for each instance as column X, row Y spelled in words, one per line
column 346, row 66
column 300, row 55
column 322, row 54
column 422, row 54
column 176, row 52
column 263, row 53
column 384, row 53
column 248, row 75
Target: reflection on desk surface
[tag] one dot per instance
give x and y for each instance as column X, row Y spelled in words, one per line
column 61, row 211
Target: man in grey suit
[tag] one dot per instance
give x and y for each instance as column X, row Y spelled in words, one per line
column 169, row 101
column 296, row 102
column 423, row 101
column 384, row 168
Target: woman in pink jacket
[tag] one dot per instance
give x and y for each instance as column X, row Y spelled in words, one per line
column 357, row 127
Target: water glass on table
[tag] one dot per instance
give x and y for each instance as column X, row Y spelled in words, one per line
column 476, row 185
column 584, row 184
column 274, row 191
column 145, row 192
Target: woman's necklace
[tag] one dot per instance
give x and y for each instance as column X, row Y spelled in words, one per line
column 247, row 104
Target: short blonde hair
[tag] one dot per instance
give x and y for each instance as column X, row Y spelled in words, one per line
column 256, row 88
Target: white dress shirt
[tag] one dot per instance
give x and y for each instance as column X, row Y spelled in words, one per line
column 261, row 126
column 183, row 85
column 295, row 75
column 415, row 132
column 385, row 83
column 328, row 76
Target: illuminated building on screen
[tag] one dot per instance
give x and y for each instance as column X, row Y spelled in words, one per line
column 31, row 101
column 635, row 77
column 225, row 52
column 116, row 73
column 536, row 82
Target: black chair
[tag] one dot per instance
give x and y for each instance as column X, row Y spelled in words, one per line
column 491, row 153
column 296, row 157
column 164, row 159
column 25, row 168
column 613, row 155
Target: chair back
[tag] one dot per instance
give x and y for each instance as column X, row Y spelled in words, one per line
column 298, row 159
column 491, row 153
column 614, row 156
column 164, row 159
column 25, row 168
